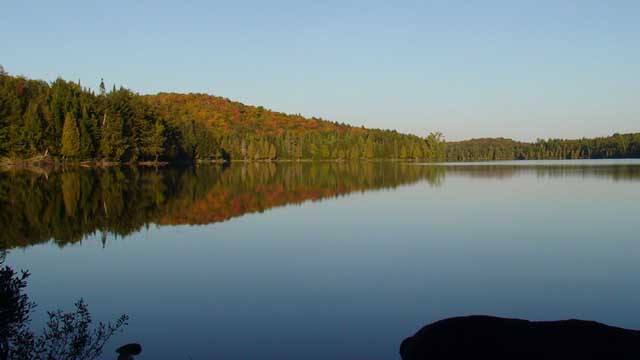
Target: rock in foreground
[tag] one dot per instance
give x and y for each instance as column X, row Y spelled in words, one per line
column 127, row 352
column 487, row 337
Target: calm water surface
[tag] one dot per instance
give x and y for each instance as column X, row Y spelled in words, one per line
column 325, row 261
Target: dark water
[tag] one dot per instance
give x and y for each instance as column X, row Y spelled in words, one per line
column 325, row 261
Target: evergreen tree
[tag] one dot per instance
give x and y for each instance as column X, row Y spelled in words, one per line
column 33, row 131
column 87, row 134
column 70, row 146
column 113, row 145
column 86, row 142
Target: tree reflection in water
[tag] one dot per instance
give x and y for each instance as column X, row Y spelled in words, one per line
column 68, row 205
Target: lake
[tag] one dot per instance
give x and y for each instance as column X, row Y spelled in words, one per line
column 324, row 260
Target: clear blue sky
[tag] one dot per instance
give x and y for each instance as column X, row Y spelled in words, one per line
column 521, row 69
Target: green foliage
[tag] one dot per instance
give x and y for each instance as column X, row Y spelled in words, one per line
column 15, row 310
column 66, row 335
column 33, row 128
column 157, row 140
column 86, row 139
column 436, row 146
column 123, row 126
column 254, row 133
column 70, row 137
column 64, row 119
column 113, row 144
column 615, row 146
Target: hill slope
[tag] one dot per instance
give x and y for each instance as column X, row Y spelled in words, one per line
column 253, row 132
column 66, row 120
column 63, row 119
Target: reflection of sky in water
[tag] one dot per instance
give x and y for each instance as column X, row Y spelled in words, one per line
column 351, row 277
column 593, row 162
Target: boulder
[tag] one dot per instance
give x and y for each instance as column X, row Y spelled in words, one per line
column 127, row 352
column 488, row 337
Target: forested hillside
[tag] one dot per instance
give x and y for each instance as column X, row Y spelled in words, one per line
column 252, row 132
column 612, row 147
column 66, row 120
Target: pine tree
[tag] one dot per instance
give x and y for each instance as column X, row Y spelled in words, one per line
column 86, row 125
column 33, row 127
column 70, row 137
column 112, row 143
column 86, row 142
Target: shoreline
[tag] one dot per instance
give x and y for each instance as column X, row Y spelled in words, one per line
column 52, row 163
column 48, row 163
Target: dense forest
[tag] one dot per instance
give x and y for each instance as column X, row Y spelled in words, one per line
column 68, row 205
column 612, row 147
column 65, row 120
